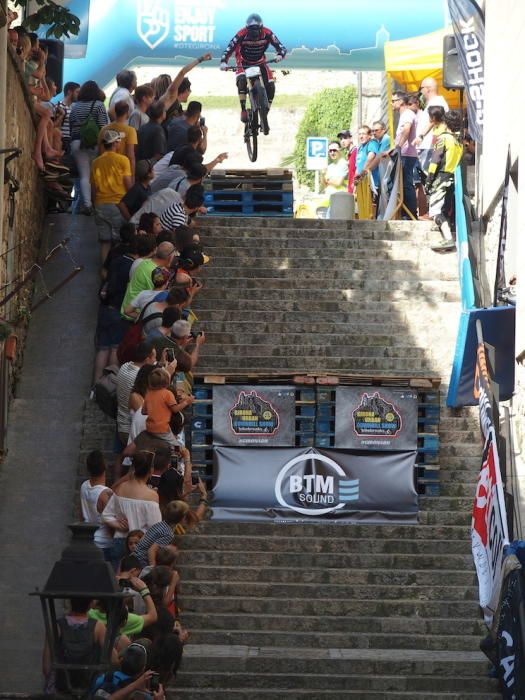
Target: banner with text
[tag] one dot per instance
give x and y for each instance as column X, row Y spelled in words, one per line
column 254, row 415
column 468, row 21
column 375, row 418
column 309, row 485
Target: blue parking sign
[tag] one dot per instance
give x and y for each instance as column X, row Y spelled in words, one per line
column 316, row 152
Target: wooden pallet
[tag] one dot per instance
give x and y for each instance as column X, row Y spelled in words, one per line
column 315, row 423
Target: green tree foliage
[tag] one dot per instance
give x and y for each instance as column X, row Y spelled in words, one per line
column 328, row 112
column 59, row 20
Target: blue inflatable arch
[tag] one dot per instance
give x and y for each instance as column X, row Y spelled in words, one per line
column 346, row 34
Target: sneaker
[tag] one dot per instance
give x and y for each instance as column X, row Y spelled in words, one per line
column 445, row 246
column 244, row 116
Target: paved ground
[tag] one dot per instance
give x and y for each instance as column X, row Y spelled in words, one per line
column 37, row 480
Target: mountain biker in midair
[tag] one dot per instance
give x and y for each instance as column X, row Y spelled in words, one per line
column 249, row 46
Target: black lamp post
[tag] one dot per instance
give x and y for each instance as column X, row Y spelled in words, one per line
column 81, row 573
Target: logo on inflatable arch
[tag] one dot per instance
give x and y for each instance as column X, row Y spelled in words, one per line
column 153, row 22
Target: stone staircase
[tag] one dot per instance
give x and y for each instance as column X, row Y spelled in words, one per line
column 314, row 611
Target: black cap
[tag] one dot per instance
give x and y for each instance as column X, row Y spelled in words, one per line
column 344, row 134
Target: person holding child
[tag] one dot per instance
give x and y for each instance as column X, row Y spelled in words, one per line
column 160, row 404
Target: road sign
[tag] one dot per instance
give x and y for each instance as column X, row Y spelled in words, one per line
column 316, row 153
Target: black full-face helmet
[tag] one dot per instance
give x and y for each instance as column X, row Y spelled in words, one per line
column 254, row 24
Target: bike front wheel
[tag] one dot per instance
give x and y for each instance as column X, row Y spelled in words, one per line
column 250, row 135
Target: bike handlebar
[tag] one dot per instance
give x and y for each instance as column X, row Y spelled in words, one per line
column 272, row 60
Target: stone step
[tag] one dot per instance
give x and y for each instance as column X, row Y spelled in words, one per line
column 220, row 223
column 248, row 591
column 314, row 624
column 339, row 274
column 330, row 640
column 271, row 363
column 317, row 269
column 363, row 606
column 312, row 304
column 332, row 289
column 368, row 320
column 251, row 693
column 323, row 560
column 346, row 682
column 325, row 662
column 446, row 531
column 320, row 576
column 218, row 345
column 337, row 545
column 386, row 332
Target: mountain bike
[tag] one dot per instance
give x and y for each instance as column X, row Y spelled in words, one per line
column 257, row 109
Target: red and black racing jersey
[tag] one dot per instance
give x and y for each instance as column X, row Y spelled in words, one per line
column 250, row 52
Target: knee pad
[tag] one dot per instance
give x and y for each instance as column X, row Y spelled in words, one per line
column 242, row 85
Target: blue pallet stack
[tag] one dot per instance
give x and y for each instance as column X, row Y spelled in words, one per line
column 249, row 193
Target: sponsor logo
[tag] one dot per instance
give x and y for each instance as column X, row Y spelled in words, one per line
column 313, row 484
column 474, row 66
column 376, row 417
column 252, row 415
column 153, row 22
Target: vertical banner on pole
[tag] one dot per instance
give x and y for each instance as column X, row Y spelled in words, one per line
column 469, row 29
column 489, row 518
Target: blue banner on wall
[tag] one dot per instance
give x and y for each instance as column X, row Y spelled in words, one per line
column 321, row 35
column 498, row 325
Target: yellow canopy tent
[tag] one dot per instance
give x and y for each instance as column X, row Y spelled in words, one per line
column 408, row 61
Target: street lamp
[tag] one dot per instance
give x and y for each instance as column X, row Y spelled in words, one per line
column 81, row 573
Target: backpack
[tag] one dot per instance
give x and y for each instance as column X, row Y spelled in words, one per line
column 109, row 684
column 89, row 130
column 76, row 646
column 133, row 337
column 105, row 391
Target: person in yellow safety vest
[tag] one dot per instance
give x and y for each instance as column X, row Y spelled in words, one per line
column 446, row 156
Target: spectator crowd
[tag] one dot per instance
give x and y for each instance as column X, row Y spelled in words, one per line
column 136, row 166
column 428, row 145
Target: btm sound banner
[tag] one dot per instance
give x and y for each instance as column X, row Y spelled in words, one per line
column 309, row 484
column 375, row 418
column 254, row 415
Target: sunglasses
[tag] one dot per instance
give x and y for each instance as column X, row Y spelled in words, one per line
column 333, row 150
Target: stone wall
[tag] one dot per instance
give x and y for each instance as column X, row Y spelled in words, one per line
column 21, row 234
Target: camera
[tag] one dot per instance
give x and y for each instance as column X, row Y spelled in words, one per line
column 195, row 335
column 170, row 355
column 154, row 682
column 194, row 478
column 124, row 583
column 202, row 121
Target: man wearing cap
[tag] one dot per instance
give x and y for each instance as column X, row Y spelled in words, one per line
column 160, row 277
column 111, row 178
column 180, row 338
column 347, row 142
column 333, row 178
column 128, row 135
column 139, row 193
column 141, row 276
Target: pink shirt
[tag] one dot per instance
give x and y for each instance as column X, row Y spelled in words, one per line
column 405, row 117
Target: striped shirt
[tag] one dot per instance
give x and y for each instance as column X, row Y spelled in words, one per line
column 160, row 534
column 125, row 380
column 175, row 215
column 80, row 112
column 64, row 129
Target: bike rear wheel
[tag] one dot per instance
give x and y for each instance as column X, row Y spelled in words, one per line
column 250, row 135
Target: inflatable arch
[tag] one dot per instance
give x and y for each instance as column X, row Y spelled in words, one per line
column 346, row 34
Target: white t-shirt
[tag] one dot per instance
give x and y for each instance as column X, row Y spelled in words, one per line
column 162, row 164
column 122, row 94
column 140, row 301
column 423, row 122
column 407, row 116
column 89, row 496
